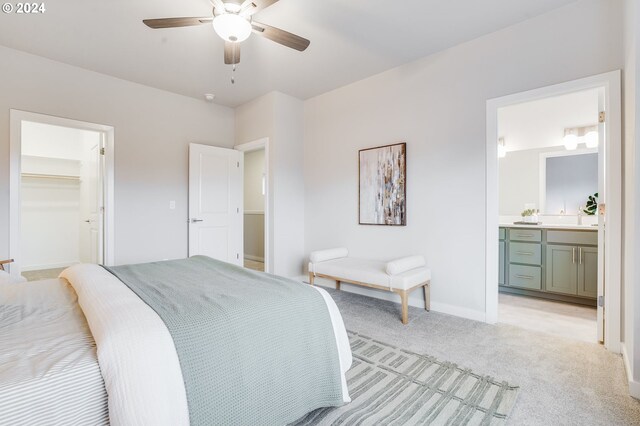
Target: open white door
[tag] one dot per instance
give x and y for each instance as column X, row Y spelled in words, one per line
column 216, row 203
column 602, row 199
column 91, row 204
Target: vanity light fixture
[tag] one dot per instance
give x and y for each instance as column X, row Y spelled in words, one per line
column 575, row 135
column 570, row 140
column 502, row 148
column 591, row 139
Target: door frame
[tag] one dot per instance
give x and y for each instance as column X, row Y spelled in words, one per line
column 612, row 149
column 258, row 144
column 16, row 117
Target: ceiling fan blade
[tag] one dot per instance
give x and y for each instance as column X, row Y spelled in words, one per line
column 175, row 22
column 281, row 36
column 217, row 4
column 250, row 7
column 231, row 53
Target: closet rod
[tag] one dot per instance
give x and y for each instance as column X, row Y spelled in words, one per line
column 45, row 176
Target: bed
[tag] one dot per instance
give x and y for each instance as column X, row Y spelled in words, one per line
column 192, row 341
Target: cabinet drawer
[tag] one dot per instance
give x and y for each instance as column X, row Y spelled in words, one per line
column 516, row 234
column 573, row 237
column 503, row 233
column 529, row 253
column 525, row 277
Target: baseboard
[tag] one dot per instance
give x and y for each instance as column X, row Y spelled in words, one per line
column 30, row 268
column 415, row 299
column 254, row 258
column 634, row 386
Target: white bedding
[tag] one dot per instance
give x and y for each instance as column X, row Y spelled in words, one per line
column 137, row 357
column 46, row 350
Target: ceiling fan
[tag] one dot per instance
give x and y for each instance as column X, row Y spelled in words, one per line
column 232, row 20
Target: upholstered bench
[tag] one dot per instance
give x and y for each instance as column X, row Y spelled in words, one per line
column 401, row 276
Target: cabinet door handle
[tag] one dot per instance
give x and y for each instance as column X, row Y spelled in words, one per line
column 573, row 254
column 525, row 253
column 580, row 255
column 526, row 277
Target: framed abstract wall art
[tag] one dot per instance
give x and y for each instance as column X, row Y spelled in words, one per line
column 383, row 185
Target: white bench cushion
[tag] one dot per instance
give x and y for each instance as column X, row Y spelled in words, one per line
column 370, row 272
column 404, row 264
column 329, row 254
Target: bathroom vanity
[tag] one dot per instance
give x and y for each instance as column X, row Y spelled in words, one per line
column 557, row 262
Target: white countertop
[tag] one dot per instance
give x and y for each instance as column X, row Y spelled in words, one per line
column 551, row 226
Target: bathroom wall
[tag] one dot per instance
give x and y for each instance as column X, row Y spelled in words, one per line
column 254, row 205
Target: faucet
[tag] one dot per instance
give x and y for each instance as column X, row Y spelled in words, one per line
column 579, row 215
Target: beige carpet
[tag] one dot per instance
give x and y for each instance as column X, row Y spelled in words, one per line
column 562, row 381
column 42, row 274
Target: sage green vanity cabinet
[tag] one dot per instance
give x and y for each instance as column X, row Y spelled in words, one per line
column 501, row 267
column 529, row 235
column 527, row 253
column 523, row 276
column 559, row 264
column 562, row 271
column 502, row 251
column 588, row 271
column 572, row 268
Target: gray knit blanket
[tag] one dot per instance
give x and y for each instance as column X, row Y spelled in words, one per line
column 254, row 348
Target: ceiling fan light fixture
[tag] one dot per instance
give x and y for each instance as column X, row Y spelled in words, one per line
column 232, row 7
column 232, row 27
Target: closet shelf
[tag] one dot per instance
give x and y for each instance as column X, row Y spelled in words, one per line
column 46, row 176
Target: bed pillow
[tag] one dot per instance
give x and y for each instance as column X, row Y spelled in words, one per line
column 329, row 254
column 405, row 264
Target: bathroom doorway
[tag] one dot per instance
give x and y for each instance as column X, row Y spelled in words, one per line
column 547, row 213
column 548, row 173
column 256, row 202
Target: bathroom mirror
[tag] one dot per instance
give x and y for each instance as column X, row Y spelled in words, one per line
column 552, row 179
column 569, row 180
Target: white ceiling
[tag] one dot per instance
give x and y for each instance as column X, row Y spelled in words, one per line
column 541, row 124
column 350, row 40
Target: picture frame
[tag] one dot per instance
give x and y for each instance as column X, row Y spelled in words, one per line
column 382, row 185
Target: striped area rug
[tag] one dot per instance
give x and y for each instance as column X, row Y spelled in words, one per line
column 393, row 386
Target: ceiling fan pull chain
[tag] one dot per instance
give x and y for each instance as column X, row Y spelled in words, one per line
column 233, row 75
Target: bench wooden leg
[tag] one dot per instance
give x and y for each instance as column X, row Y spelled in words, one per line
column 427, row 296
column 337, row 285
column 405, row 306
column 311, row 278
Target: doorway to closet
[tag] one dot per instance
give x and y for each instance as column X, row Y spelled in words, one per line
column 60, row 186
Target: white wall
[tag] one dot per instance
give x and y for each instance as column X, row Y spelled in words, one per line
column 438, row 106
column 152, row 132
column 279, row 117
column 631, row 199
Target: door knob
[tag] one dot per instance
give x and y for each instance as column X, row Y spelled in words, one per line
column 194, row 220
column 88, row 221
